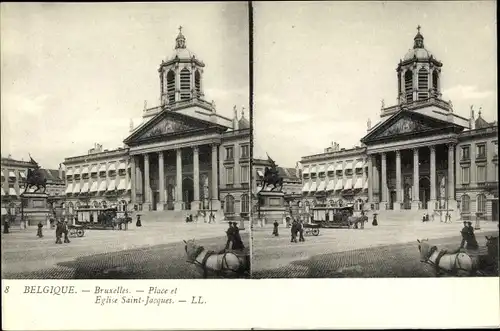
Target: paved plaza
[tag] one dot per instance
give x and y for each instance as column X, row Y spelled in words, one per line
column 153, row 251
column 387, row 250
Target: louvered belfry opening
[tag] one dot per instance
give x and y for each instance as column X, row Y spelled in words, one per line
column 409, row 86
column 171, row 86
column 185, row 84
column 423, row 84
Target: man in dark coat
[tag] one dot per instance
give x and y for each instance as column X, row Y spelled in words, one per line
column 39, row 230
column 65, row 230
column 301, row 231
column 471, row 241
column 229, row 233
column 275, row 229
column 294, row 231
column 59, row 232
column 138, row 223
column 465, row 235
column 237, row 242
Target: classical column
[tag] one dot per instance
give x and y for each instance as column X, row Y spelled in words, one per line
column 161, row 181
column 178, row 179
column 133, row 183
column 147, row 183
column 384, row 191
column 195, row 204
column 415, row 204
column 215, row 203
column 452, row 204
column 397, row 203
column 432, row 202
column 139, row 179
column 370, row 179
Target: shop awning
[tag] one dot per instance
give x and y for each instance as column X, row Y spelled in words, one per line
column 321, row 169
column 4, row 211
column 111, row 186
column 69, row 189
column 359, row 184
column 12, row 191
column 12, row 174
column 122, row 166
column 348, row 184
column 112, row 167
column 259, row 173
column 102, row 168
column 93, row 187
column 305, row 171
column 339, row 167
column 3, row 192
column 121, row 185
column 330, row 168
column 76, row 188
column 129, row 165
column 102, row 186
column 129, row 186
column 365, row 186
column 338, row 186
column 322, row 186
column 93, row 169
column 313, row 170
column 77, row 171
column 85, row 170
column 331, row 185
column 348, row 165
column 3, row 176
column 313, row 187
column 69, row 172
column 85, row 188
column 305, row 188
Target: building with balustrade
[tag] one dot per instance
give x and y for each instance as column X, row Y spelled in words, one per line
column 183, row 156
column 13, row 176
column 420, row 155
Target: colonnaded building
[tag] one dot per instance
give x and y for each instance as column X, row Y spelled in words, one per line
column 183, row 156
column 421, row 155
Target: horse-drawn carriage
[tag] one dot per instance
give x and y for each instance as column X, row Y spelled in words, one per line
column 337, row 217
column 311, row 229
column 99, row 218
column 76, row 230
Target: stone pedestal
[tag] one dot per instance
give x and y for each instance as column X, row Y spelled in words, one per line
column 195, row 205
column 396, row 205
column 271, row 206
column 415, row 205
column 35, row 208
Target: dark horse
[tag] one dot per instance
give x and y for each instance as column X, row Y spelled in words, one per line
column 272, row 178
column 36, row 178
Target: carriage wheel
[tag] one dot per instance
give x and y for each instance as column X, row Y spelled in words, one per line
column 72, row 232
column 80, row 232
column 315, row 232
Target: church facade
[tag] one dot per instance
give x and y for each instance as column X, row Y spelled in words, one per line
column 183, row 156
column 421, row 155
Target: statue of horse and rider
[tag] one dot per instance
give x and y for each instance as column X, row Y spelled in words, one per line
column 272, row 177
column 35, row 177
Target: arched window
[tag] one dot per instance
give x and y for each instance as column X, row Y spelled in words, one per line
column 299, row 204
column 229, row 204
column 481, row 203
column 435, row 80
column 245, row 203
column 171, row 86
column 124, row 205
column 465, row 202
column 77, row 205
column 197, row 82
column 95, row 204
column 359, row 204
column 423, row 84
column 409, row 86
column 185, row 84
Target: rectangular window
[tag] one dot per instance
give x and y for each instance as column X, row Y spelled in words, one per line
column 230, row 176
column 466, row 153
column 480, row 151
column 495, row 148
column 481, row 174
column 245, row 174
column 465, row 175
column 245, row 151
column 229, row 153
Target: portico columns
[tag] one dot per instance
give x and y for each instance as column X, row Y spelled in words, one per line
column 195, row 204
column 147, row 183
column 397, row 203
column 161, row 181
column 384, row 190
column 415, row 204
column 178, row 178
column 215, row 185
column 370, row 180
column 432, row 202
column 133, row 193
column 452, row 204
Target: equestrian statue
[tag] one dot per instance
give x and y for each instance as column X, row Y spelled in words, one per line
column 35, row 177
column 271, row 176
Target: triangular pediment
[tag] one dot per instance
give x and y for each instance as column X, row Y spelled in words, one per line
column 406, row 123
column 170, row 124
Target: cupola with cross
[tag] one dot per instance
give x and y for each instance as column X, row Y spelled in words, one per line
column 181, row 75
column 418, row 74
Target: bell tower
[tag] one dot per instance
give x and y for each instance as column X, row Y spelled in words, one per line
column 419, row 74
column 180, row 75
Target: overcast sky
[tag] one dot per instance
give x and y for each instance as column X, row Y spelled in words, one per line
column 322, row 69
column 75, row 74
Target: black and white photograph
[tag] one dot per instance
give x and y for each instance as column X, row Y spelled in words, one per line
column 125, row 141
column 375, row 140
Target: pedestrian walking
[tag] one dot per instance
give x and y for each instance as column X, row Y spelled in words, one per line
column 294, row 232
column 138, row 223
column 275, row 229
column 6, row 224
column 229, row 234
column 39, row 233
column 59, row 232
column 471, row 240
column 375, row 223
column 65, row 232
column 465, row 234
column 301, row 231
column 237, row 242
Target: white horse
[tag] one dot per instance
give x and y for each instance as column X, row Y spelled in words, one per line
column 224, row 264
column 455, row 262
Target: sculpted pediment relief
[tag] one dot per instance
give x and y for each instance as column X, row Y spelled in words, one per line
column 168, row 126
column 404, row 125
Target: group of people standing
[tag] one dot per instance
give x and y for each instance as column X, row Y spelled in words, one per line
column 234, row 237
column 468, row 237
column 297, row 230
